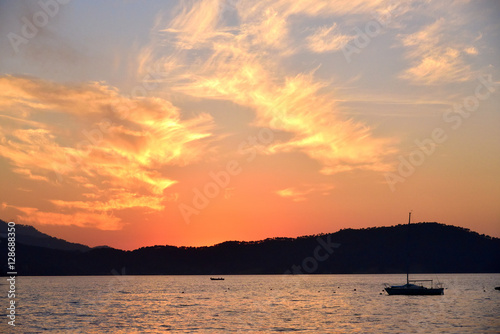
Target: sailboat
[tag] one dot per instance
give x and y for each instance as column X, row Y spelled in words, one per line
column 415, row 287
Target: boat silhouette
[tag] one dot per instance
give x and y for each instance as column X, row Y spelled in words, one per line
column 415, row 287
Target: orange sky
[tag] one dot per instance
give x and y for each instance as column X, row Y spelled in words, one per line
column 194, row 123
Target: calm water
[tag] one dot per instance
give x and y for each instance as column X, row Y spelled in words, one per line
column 251, row 304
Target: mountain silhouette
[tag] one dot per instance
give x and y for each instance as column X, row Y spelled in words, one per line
column 433, row 248
column 28, row 235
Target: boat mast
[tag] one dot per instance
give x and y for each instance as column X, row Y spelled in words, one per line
column 408, row 251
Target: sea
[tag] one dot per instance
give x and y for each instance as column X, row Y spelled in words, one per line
column 249, row 304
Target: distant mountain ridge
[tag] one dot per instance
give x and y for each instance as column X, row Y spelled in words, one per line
column 28, row 235
column 433, row 247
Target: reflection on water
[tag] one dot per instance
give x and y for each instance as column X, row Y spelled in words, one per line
column 316, row 304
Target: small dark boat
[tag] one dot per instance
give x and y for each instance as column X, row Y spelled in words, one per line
column 217, row 278
column 497, row 288
column 411, row 289
column 415, row 287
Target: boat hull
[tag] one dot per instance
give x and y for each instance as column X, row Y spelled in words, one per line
column 415, row 292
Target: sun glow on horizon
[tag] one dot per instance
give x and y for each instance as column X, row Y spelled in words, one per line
column 213, row 120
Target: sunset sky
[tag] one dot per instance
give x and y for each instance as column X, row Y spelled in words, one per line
column 189, row 123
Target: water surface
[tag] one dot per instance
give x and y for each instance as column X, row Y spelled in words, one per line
column 252, row 304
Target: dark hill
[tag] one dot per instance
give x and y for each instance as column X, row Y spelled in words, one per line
column 28, row 235
column 433, row 248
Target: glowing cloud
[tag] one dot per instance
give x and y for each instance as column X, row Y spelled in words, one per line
column 236, row 68
column 109, row 142
column 299, row 194
column 436, row 56
column 102, row 221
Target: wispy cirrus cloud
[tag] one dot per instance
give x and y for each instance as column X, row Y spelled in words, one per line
column 233, row 63
column 118, row 201
column 102, row 221
column 110, row 144
column 438, row 53
column 301, row 193
column 326, row 39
